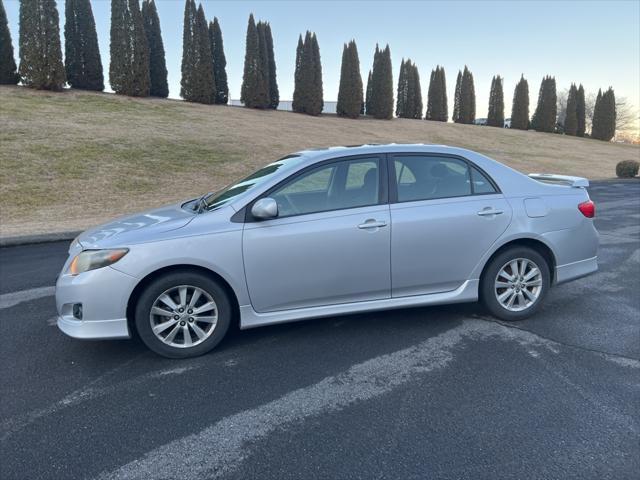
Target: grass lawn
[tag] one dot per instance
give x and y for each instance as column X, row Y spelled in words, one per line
column 73, row 159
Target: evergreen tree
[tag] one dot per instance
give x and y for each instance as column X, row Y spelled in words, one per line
column 129, row 66
column 403, row 90
column 316, row 101
column 297, row 103
column 307, row 96
column 368, row 106
column 41, row 64
column 580, row 112
column 544, row 117
column 604, row 116
column 8, row 74
column 219, row 63
column 520, row 107
column 255, row 86
column 467, row 106
column 437, row 108
column 371, row 105
column 187, row 81
column 81, row 53
column 350, row 90
column 157, row 66
column 495, row 117
column 456, row 98
column 197, row 84
column 415, row 93
column 444, row 110
column 274, row 94
column 571, row 116
column 382, row 85
column 263, row 61
column 596, row 122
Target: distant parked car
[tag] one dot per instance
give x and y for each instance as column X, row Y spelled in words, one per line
column 327, row 232
column 480, row 121
column 507, row 123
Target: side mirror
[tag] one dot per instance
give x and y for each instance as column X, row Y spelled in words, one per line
column 265, row 208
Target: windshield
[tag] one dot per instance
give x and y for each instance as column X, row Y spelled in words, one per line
column 216, row 200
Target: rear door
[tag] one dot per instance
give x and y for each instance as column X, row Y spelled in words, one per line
column 445, row 215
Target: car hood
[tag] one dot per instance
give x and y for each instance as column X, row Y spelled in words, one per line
column 137, row 227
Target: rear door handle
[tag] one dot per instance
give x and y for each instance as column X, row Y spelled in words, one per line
column 372, row 223
column 489, row 211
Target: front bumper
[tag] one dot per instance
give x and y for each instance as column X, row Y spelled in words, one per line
column 104, row 294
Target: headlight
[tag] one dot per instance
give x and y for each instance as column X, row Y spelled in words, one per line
column 92, row 259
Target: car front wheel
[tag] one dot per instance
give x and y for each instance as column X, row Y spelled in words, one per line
column 515, row 283
column 182, row 314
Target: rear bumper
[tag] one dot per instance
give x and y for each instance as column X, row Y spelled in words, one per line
column 572, row 271
column 103, row 294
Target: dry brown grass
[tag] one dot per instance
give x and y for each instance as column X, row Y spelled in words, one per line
column 70, row 160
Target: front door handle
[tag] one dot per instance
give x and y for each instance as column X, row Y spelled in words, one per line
column 372, row 223
column 489, row 211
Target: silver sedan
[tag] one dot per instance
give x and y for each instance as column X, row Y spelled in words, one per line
column 327, row 232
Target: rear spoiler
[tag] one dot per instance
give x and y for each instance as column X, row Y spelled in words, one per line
column 576, row 182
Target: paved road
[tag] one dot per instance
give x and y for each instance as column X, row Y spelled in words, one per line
column 425, row 393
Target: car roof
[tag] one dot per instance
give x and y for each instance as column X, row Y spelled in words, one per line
column 318, row 154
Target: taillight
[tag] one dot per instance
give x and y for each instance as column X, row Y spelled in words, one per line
column 588, row 209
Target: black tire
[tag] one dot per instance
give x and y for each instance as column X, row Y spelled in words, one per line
column 487, row 283
column 166, row 282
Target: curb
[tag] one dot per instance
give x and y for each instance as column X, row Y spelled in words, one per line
column 39, row 238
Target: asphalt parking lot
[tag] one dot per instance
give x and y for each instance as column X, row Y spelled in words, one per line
column 442, row 392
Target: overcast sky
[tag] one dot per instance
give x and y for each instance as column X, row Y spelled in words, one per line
column 595, row 43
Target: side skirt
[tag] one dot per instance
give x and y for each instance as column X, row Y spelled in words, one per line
column 249, row 318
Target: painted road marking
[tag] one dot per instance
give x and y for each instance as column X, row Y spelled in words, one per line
column 12, row 299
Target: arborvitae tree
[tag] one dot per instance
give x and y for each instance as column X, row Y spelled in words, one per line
column 604, row 116
column 371, row 105
column 596, row 122
column 255, row 81
column 264, row 58
column 81, row 54
column 495, row 116
column 297, row 103
column 350, row 90
column 40, row 52
column 544, row 118
column 467, row 106
column 219, row 63
column 307, row 96
column 197, row 84
column 129, row 66
column 520, row 107
column 8, row 74
column 157, row 65
column 316, row 101
column 571, row 116
column 367, row 102
column 382, row 85
column 437, row 108
column 274, row 94
column 415, row 93
column 456, row 98
column 409, row 101
column 580, row 112
column 403, row 90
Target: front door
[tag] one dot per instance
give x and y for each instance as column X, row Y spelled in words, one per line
column 329, row 244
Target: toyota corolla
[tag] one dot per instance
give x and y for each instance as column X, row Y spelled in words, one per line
column 328, row 232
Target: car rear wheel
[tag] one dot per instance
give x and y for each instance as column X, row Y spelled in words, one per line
column 182, row 314
column 515, row 283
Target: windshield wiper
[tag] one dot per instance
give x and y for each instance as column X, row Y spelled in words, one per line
column 201, row 204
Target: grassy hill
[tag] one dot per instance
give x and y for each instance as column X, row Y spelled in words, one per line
column 70, row 160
